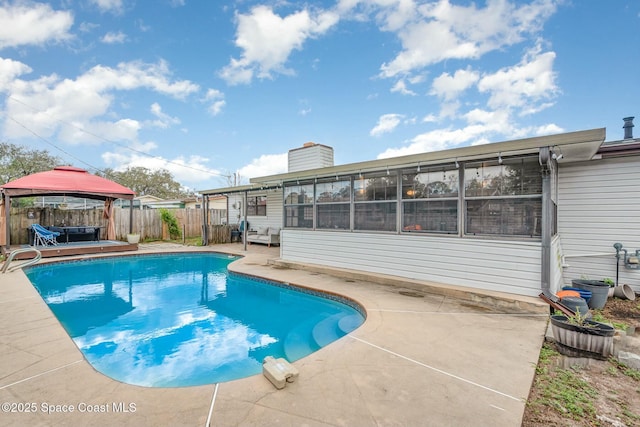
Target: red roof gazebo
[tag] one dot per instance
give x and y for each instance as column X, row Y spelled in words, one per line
column 62, row 181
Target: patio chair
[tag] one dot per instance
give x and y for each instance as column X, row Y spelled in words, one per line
column 44, row 237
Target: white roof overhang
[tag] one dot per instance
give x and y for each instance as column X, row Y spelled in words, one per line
column 574, row 146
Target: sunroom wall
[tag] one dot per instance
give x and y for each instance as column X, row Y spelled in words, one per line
column 497, row 265
column 510, row 264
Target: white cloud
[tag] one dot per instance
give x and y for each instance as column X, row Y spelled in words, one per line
column 114, row 6
column 548, row 129
column 114, row 38
column 186, row 170
column 480, row 126
column 216, row 98
column 97, row 131
column 386, row 123
column 163, row 120
column 438, row 31
column 216, row 108
column 9, row 70
column 531, row 80
column 87, row 27
column 449, row 87
column 429, row 118
column 25, row 23
column 268, row 164
column 401, row 87
column 267, row 40
column 50, row 105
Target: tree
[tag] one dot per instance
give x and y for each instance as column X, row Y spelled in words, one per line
column 144, row 181
column 17, row 161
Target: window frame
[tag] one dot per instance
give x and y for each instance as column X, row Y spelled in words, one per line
column 254, row 208
column 415, row 192
column 496, row 191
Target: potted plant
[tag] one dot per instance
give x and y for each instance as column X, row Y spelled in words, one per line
column 578, row 335
column 612, row 286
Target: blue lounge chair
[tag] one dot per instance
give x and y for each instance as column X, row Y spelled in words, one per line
column 44, row 237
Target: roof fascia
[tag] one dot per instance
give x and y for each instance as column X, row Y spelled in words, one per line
column 586, row 141
column 239, row 189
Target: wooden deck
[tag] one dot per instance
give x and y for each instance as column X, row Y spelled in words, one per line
column 76, row 248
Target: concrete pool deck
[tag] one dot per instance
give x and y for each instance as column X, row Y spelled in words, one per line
column 426, row 355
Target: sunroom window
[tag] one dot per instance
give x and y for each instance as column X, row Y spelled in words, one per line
column 333, row 204
column 298, row 205
column 375, row 197
column 503, row 198
column 430, row 200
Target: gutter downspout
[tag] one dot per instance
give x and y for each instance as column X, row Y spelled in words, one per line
column 544, row 158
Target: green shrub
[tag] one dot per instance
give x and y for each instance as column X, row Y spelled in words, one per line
column 172, row 224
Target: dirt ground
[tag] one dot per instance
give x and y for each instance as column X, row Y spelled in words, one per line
column 604, row 393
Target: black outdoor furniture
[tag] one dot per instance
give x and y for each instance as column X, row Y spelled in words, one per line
column 71, row 234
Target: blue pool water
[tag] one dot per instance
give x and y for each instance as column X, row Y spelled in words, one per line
column 181, row 319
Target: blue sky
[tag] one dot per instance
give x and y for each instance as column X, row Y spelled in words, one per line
column 207, row 89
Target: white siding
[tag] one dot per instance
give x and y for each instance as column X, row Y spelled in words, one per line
column 599, row 205
column 234, row 213
column 274, row 211
column 315, row 156
column 505, row 266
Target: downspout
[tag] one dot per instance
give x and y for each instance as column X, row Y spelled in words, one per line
column 547, row 220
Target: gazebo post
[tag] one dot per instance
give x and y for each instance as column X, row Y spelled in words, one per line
column 7, row 226
column 131, row 216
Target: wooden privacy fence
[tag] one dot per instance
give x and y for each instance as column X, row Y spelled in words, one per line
column 147, row 222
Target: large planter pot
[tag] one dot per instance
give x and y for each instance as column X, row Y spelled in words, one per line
column 624, row 291
column 133, row 238
column 595, row 340
column 599, row 291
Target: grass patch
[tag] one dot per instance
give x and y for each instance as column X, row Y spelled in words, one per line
column 624, row 369
column 563, row 390
column 570, row 395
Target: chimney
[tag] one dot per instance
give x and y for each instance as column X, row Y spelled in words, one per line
column 310, row 156
column 628, row 127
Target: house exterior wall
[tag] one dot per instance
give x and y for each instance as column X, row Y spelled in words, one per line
column 505, row 266
column 599, row 205
column 274, row 210
column 234, row 212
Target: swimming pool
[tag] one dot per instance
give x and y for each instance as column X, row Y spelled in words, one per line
column 177, row 320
